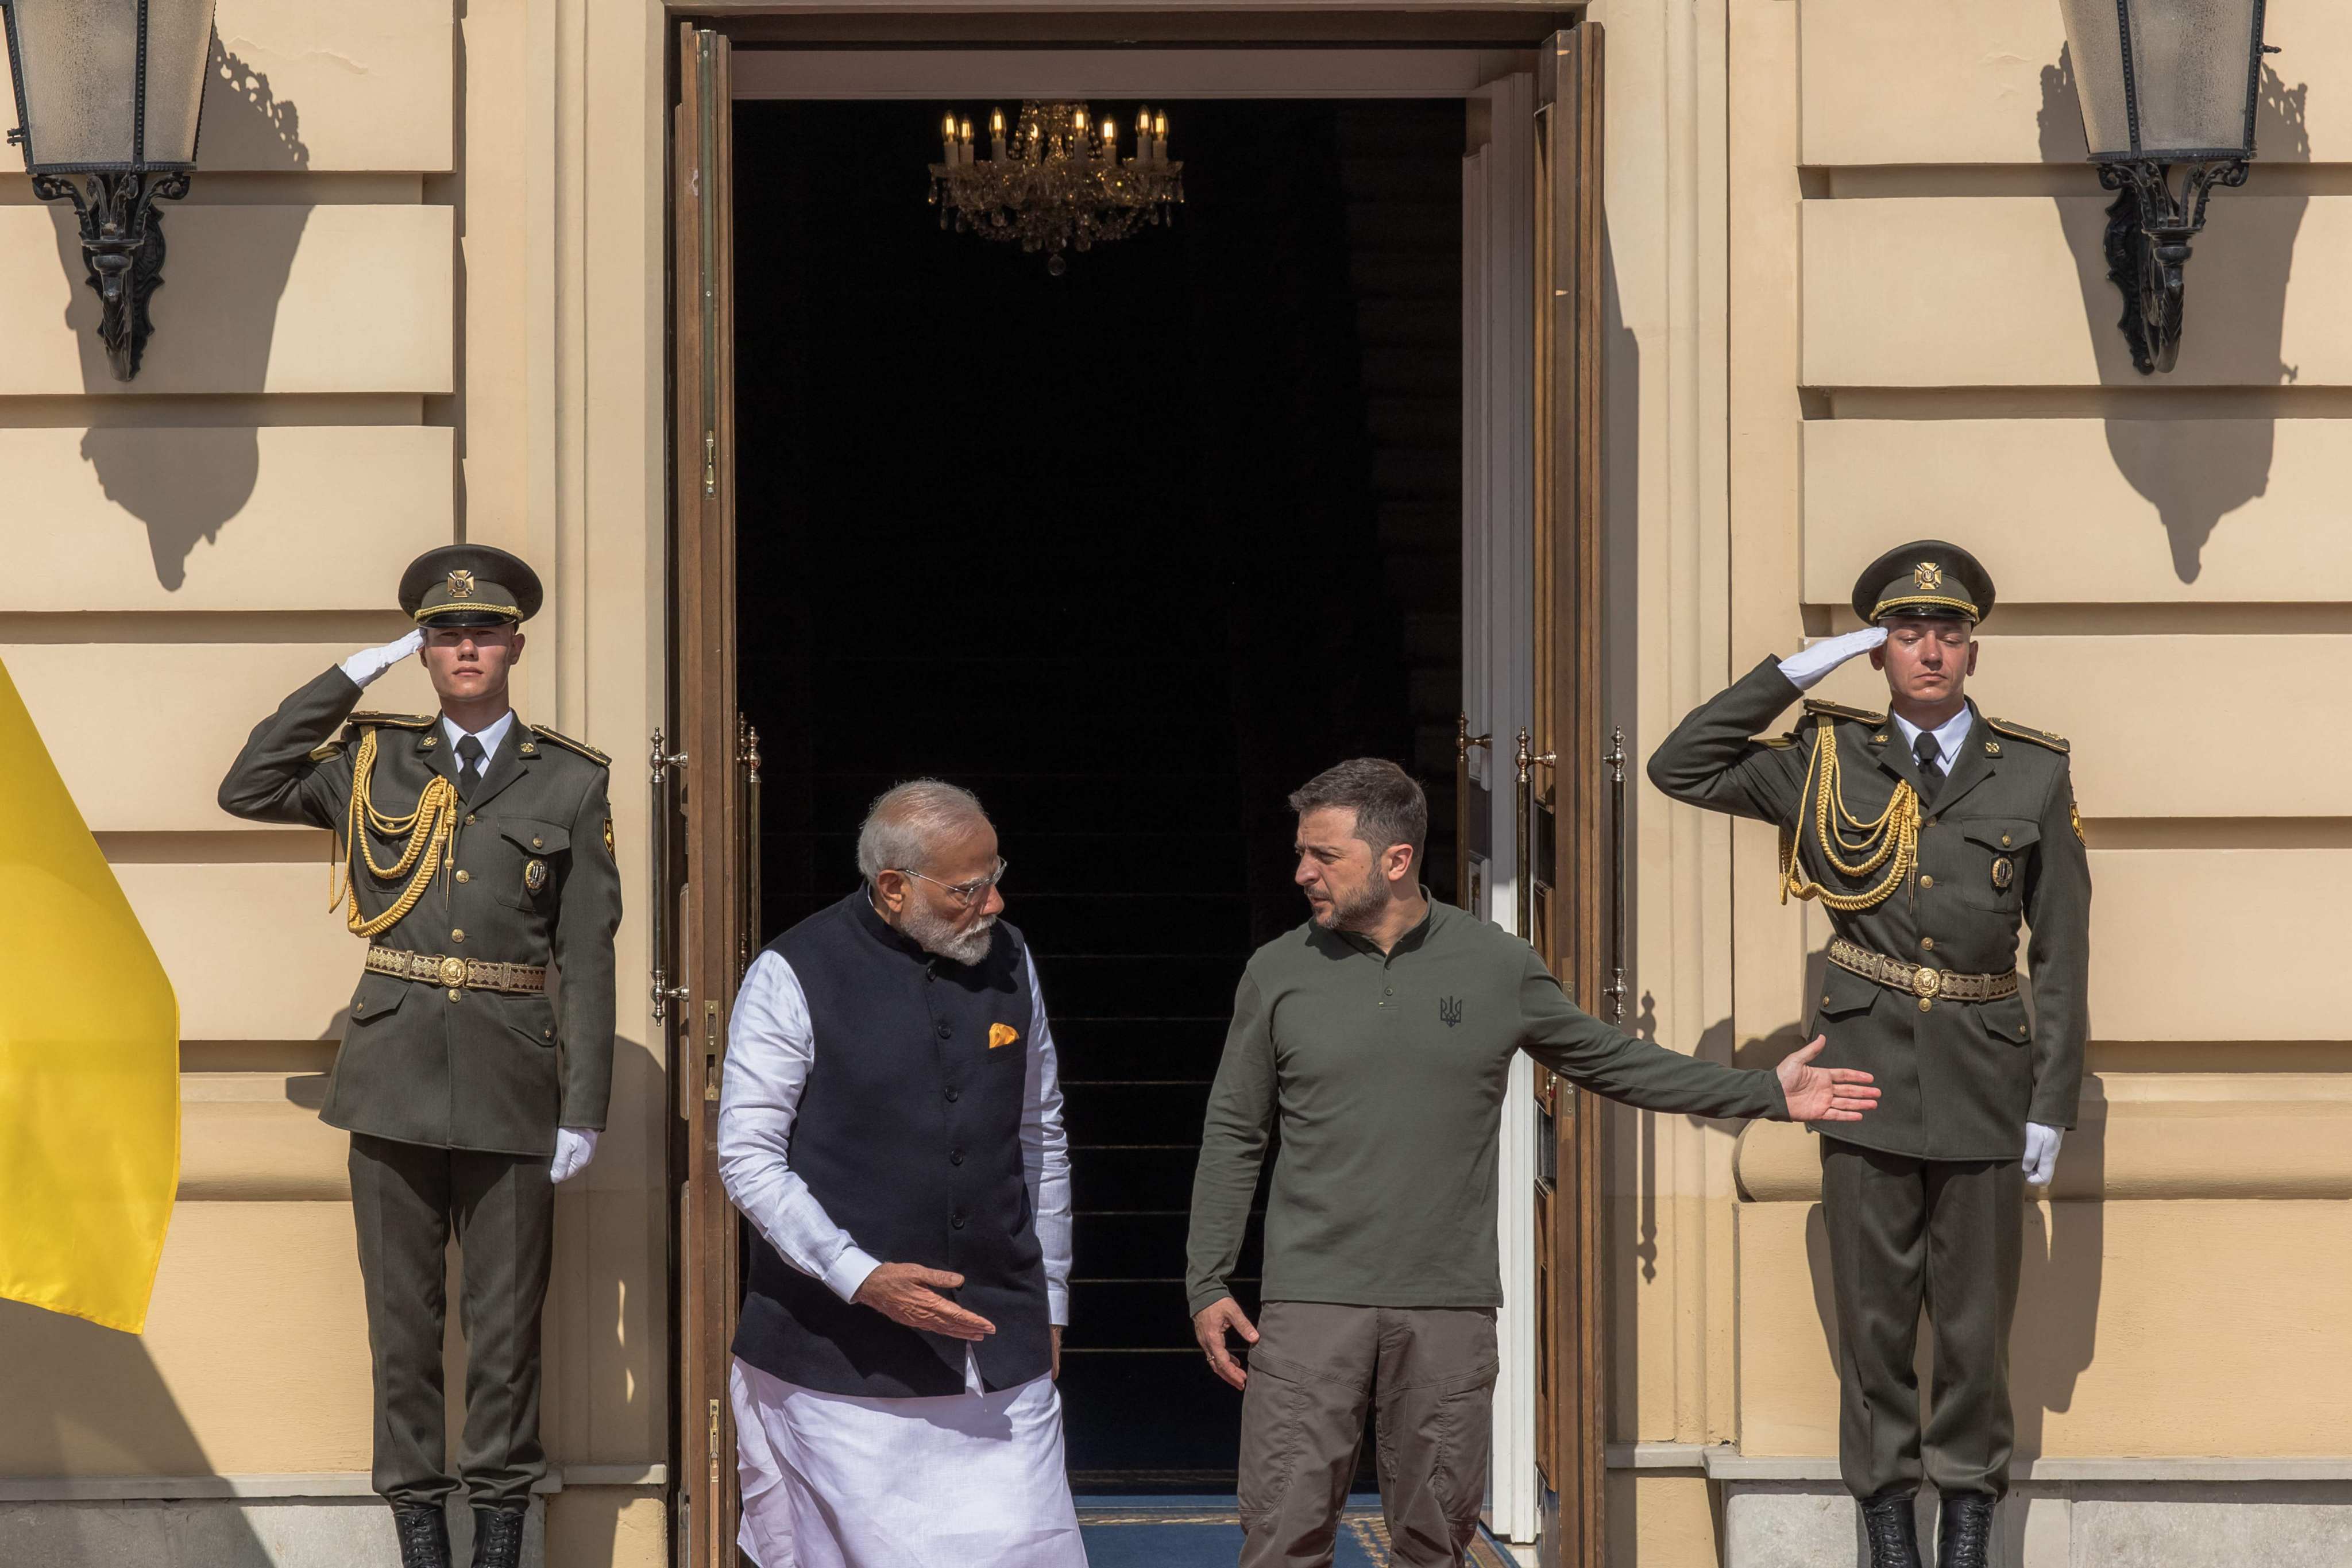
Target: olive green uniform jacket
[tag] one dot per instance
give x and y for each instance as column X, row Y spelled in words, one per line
column 534, row 882
column 2001, row 845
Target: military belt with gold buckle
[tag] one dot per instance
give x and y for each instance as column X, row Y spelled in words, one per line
column 1919, row 980
column 474, row 974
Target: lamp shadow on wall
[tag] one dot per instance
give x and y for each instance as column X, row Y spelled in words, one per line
column 186, row 484
column 2236, row 321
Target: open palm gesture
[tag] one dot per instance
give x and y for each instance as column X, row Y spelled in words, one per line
column 1824, row 1094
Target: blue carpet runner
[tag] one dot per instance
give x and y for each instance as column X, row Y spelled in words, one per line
column 1206, row 1532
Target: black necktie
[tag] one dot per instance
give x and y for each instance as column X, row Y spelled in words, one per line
column 470, row 752
column 1931, row 764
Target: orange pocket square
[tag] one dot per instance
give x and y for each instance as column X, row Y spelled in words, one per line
column 1001, row 1035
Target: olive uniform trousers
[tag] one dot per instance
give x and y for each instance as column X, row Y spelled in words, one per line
column 1902, row 1232
column 1314, row 1372
column 406, row 1199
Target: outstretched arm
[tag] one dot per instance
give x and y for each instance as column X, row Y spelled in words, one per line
column 1588, row 1052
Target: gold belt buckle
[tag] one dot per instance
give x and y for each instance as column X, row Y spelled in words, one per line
column 453, row 971
column 1925, row 983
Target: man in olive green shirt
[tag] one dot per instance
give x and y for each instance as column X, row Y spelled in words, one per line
column 1380, row 1037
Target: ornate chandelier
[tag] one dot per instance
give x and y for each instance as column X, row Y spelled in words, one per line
column 1058, row 183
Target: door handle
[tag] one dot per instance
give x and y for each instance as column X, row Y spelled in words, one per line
column 1524, row 823
column 663, row 765
column 1465, row 892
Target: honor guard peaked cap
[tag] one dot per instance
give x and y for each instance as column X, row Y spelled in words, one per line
column 468, row 586
column 1924, row 577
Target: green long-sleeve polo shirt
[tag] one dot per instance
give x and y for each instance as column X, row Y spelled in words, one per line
column 1386, row 1073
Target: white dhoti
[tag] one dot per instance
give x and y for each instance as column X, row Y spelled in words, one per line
column 969, row 1480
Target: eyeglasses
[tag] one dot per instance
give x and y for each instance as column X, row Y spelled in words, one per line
column 963, row 893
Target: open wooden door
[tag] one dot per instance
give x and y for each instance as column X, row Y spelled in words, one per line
column 1564, row 884
column 702, row 790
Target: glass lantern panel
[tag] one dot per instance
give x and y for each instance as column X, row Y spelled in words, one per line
column 179, row 63
column 2192, row 59
column 79, row 61
column 2095, row 45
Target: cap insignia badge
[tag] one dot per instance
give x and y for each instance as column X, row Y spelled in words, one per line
column 461, row 584
column 1928, row 575
column 534, row 874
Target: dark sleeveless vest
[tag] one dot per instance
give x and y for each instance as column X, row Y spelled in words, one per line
column 908, row 1133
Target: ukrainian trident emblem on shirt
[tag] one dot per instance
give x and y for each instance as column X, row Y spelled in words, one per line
column 1449, row 1010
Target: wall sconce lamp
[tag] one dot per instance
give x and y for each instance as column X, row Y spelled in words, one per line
column 2163, row 84
column 107, row 96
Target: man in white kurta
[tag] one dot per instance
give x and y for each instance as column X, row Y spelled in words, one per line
column 924, row 1133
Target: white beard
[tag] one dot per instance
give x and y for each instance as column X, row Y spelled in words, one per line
column 941, row 937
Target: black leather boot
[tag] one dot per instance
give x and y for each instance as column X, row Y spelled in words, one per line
column 497, row 1538
column 1964, row 1540
column 424, row 1536
column 1894, row 1532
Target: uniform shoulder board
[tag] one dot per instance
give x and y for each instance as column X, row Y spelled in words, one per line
column 1840, row 710
column 394, row 720
column 1780, row 742
column 327, row 750
column 2027, row 733
column 569, row 745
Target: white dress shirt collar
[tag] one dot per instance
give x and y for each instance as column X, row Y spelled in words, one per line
column 489, row 734
column 1948, row 734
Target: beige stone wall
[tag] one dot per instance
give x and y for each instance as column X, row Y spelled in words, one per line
column 379, row 302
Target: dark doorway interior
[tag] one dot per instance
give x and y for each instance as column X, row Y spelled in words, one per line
column 1131, row 553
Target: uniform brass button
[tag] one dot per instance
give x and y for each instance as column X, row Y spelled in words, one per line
column 1825, row 998
column 1930, row 823
column 463, row 877
column 2020, row 1028
column 2004, row 841
column 1926, row 880
column 1926, row 1003
column 454, row 993
column 536, row 845
column 1927, row 944
column 469, row 819
column 457, row 936
column 548, row 1032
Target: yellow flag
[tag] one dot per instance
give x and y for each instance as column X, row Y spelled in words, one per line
column 90, row 1057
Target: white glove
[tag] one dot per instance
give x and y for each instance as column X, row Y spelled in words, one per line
column 574, row 1147
column 368, row 663
column 1805, row 669
column 2041, row 1153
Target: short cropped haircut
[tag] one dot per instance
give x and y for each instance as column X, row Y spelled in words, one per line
column 1389, row 805
column 906, row 820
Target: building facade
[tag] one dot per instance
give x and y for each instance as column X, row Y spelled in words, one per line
column 1854, row 292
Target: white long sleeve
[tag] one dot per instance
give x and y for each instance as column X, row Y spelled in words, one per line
column 771, row 1045
column 1045, row 1153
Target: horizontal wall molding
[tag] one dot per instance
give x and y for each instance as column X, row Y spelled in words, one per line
column 1885, row 306
column 348, row 629
column 2122, row 766
column 2170, row 1136
column 2131, row 511
column 256, row 299
column 208, row 411
column 278, row 517
column 299, row 86
column 1726, row 1463
column 1919, row 81
column 314, row 1484
column 197, row 703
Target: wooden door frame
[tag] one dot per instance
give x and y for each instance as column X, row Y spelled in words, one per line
column 1459, row 32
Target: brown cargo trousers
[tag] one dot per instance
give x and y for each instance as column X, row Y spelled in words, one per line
column 1314, row 1371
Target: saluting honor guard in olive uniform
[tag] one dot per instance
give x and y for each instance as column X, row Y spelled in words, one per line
column 476, row 857
column 1929, row 833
